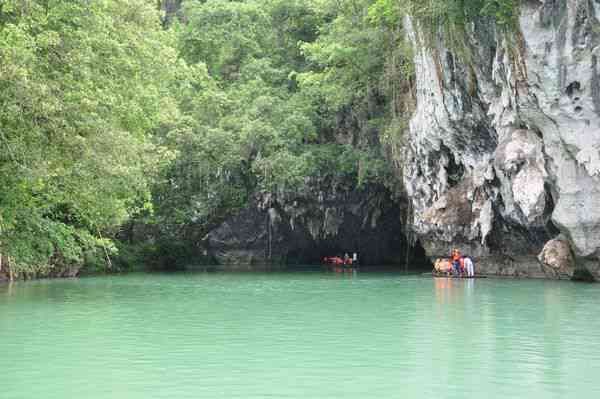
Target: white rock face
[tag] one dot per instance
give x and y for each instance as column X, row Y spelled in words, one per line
column 520, row 166
column 509, row 142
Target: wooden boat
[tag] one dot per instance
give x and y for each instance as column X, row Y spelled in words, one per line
column 444, row 275
column 442, row 267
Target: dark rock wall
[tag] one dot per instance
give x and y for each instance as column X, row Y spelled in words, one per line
column 303, row 229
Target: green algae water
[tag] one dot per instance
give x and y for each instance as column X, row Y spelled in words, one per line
column 298, row 335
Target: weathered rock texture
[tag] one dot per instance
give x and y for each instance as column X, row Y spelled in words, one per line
column 304, row 228
column 557, row 259
column 504, row 147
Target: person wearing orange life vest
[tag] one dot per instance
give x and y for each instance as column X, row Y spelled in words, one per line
column 455, row 261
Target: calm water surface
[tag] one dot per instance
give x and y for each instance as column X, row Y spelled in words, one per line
column 298, row 335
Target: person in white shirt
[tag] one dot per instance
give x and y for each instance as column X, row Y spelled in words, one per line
column 469, row 267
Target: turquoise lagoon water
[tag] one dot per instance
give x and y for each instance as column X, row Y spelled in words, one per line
column 298, row 335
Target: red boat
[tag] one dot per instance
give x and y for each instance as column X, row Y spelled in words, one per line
column 338, row 264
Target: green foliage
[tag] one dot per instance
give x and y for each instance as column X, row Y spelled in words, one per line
column 386, row 12
column 224, row 34
column 460, row 12
column 81, row 92
column 346, row 58
column 504, row 12
column 452, row 16
column 129, row 257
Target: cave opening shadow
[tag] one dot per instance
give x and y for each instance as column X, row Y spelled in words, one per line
column 377, row 258
column 418, row 259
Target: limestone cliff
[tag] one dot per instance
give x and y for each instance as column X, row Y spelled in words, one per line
column 503, row 150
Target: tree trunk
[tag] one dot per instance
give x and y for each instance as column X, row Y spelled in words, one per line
column 11, row 276
column 108, row 261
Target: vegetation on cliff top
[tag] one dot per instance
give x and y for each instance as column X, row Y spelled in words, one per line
column 107, row 116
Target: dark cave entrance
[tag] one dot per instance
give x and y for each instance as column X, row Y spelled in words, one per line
column 418, row 258
column 389, row 253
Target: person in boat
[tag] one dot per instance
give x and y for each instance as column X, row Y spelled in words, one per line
column 455, row 261
column 347, row 260
column 469, row 266
column 442, row 266
column 331, row 260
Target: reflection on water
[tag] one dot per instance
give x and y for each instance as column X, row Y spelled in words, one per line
column 298, row 335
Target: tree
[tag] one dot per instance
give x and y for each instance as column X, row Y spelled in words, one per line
column 81, row 93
